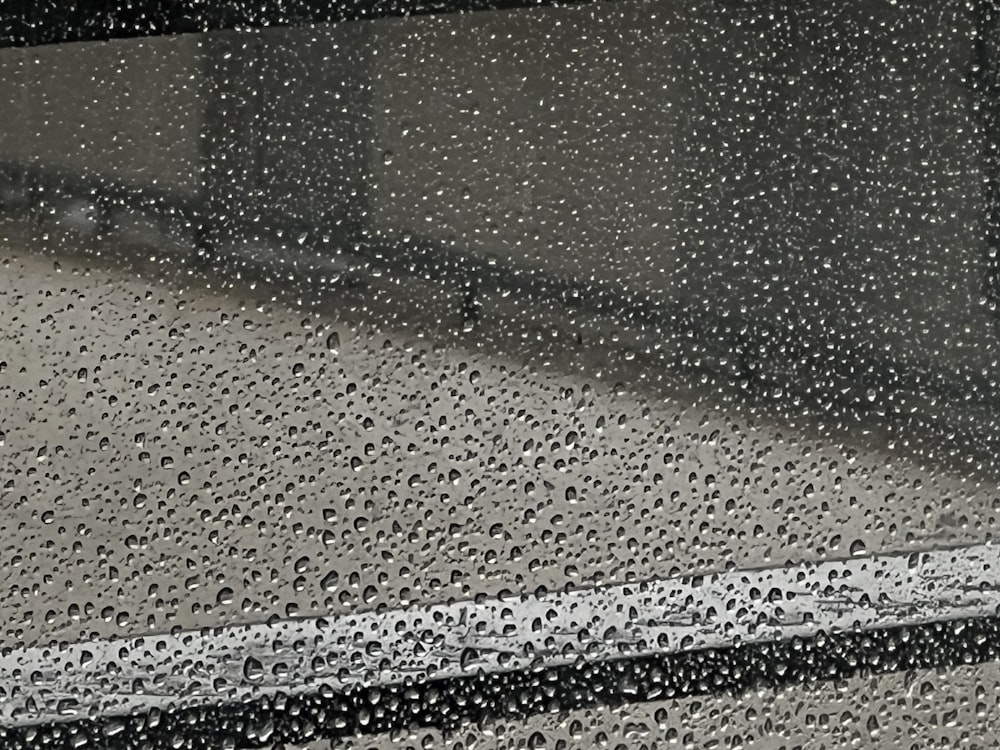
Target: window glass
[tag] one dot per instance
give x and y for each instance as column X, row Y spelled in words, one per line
column 552, row 376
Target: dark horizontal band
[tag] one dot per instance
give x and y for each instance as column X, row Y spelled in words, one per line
column 29, row 23
column 517, row 695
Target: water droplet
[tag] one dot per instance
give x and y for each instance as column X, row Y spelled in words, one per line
column 253, row 670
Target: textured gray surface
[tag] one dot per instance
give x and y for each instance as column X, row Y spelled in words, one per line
column 163, row 444
column 486, row 636
column 316, row 429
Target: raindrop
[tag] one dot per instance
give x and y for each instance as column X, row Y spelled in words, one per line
column 253, row 670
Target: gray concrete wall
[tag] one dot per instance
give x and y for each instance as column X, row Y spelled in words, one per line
column 816, row 169
column 288, row 129
column 795, row 163
column 126, row 111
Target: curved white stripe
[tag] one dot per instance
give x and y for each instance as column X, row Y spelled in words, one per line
column 69, row 681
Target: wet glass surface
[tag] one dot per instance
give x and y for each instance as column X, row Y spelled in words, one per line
column 334, row 319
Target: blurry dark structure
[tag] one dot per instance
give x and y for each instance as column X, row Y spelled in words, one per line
column 984, row 79
column 28, row 23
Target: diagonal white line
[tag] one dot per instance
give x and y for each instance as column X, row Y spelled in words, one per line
column 74, row 680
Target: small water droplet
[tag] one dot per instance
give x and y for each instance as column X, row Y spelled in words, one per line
column 330, row 581
column 253, row 670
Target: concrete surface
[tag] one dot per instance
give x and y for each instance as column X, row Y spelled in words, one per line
column 163, row 442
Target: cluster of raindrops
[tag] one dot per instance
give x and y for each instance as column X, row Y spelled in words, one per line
column 320, row 322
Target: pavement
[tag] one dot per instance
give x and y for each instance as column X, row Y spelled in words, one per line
column 181, row 456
